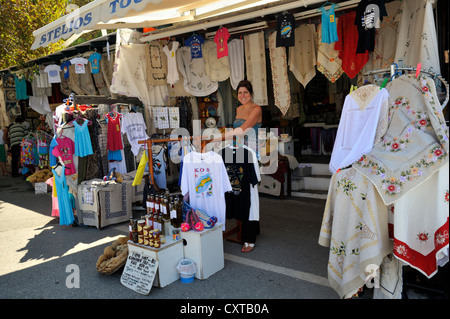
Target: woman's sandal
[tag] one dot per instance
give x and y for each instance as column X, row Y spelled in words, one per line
column 247, row 247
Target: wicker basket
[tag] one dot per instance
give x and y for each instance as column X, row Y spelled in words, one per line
column 114, row 257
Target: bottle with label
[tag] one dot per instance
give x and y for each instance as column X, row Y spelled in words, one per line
column 150, row 203
column 156, row 208
column 156, row 213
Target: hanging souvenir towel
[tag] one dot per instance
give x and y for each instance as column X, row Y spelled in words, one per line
column 236, row 60
column 355, row 229
column 280, row 79
column 413, row 47
column 255, row 61
column 216, row 69
column 162, row 117
column 174, row 117
column 172, row 70
column 64, row 200
column 352, row 62
column 416, row 142
column 328, row 61
column 156, row 64
column 329, row 25
column 363, row 121
column 303, row 55
column 83, row 144
column 421, row 240
column 221, row 39
column 130, row 76
column 384, row 52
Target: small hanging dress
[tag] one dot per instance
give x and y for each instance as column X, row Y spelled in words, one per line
column 64, row 201
column 83, row 144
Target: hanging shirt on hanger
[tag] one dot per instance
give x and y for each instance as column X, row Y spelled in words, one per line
column 95, row 62
column 65, row 69
column 114, row 141
column 134, row 126
column 172, row 70
column 369, row 13
column 83, row 144
column 53, row 73
column 65, row 149
column 329, row 25
column 221, row 39
column 205, row 178
column 285, row 30
column 242, row 175
column 195, row 42
column 79, row 64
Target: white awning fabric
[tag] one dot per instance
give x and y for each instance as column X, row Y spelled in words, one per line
column 88, row 16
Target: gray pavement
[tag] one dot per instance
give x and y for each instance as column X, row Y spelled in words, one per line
column 286, row 264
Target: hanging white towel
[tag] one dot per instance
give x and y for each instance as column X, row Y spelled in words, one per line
column 236, row 55
column 302, row 56
column 255, row 60
column 280, row 79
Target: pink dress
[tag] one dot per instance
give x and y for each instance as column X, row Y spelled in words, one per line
column 65, row 149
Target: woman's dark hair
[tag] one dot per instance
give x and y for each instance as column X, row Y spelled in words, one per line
column 246, row 84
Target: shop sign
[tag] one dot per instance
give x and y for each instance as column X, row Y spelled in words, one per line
column 140, row 270
column 85, row 18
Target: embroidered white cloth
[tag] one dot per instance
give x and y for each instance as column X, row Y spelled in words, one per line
column 417, row 40
column 303, row 55
column 130, row 72
column 355, row 227
column 421, row 224
column 236, row 60
column 416, row 142
column 280, row 79
column 196, row 81
column 156, row 64
column 255, row 62
column 216, row 69
column 328, row 61
column 365, row 113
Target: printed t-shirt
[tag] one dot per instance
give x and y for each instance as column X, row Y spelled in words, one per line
column 369, row 13
column 65, row 69
column 205, row 178
column 195, row 43
column 285, row 30
column 221, row 39
column 79, row 65
column 65, row 149
column 95, row 62
column 241, row 173
column 53, row 73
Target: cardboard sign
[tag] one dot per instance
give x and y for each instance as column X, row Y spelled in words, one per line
column 140, row 270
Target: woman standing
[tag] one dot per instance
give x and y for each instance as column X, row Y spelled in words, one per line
column 248, row 118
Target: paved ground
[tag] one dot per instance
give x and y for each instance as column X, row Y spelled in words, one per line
column 286, row 264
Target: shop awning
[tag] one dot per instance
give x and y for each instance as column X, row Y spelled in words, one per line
column 114, row 14
column 97, row 11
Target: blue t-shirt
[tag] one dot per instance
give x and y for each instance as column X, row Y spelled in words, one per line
column 95, row 62
column 65, row 69
column 195, row 41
